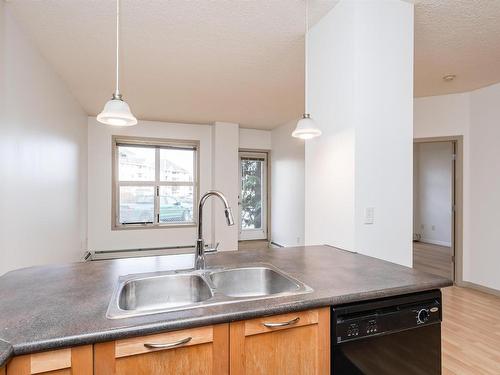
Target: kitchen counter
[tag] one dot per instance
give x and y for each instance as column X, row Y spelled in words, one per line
column 51, row 307
column 6, row 352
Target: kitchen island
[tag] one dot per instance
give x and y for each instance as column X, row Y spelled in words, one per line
column 63, row 306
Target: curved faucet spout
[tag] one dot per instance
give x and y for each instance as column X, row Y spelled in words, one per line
column 199, row 260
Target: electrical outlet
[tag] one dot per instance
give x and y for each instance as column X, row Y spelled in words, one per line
column 433, row 228
column 369, row 215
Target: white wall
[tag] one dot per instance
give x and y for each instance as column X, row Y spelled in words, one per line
column 446, row 115
column 484, row 219
column 476, row 116
column 219, row 144
column 383, row 78
column 100, row 235
column 433, row 193
column 255, row 139
column 43, row 153
column 287, row 187
column 226, row 179
column 361, row 95
column 329, row 159
column 449, row 115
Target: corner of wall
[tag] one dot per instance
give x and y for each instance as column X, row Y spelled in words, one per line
column 225, row 179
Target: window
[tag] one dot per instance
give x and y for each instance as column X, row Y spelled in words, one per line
column 155, row 182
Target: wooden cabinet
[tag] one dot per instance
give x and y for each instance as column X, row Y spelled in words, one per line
column 296, row 343
column 71, row 361
column 202, row 351
column 289, row 344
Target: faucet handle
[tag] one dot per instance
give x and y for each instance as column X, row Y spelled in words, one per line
column 210, row 249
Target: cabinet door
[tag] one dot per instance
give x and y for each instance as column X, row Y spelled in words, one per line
column 202, row 351
column 71, row 361
column 294, row 344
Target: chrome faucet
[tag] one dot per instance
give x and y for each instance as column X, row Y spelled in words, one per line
column 199, row 256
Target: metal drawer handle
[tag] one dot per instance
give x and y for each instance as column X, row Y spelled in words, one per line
column 169, row 344
column 282, row 324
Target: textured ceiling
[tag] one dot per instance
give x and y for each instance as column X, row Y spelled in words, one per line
column 236, row 60
column 459, row 37
column 193, row 61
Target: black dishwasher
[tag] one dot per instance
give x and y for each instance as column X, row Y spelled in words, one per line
column 392, row 336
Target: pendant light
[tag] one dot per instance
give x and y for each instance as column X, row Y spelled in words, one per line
column 306, row 127
column 116, row 111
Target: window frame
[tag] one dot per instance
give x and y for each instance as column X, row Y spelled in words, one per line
column 157, row 144
column 252, row 234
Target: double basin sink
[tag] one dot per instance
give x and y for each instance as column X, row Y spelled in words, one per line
column 153, row 293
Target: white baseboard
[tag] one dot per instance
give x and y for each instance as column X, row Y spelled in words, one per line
column 484, row 289
column 435, row 242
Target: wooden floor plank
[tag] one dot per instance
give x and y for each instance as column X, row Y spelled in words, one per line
column 433, row 259
column 471, row 338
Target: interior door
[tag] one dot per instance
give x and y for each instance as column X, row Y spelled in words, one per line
column 253, row 196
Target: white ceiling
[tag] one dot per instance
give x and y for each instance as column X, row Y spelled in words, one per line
column 459, row 37
column 194, row 61
column 240, row 61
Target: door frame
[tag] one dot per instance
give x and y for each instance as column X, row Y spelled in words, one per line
column 458, row 193
column 267, row 186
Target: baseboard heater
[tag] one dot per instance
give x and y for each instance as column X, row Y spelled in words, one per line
column 135, row 253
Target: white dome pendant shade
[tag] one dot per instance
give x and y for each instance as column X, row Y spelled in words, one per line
column 306, row 127
column 116, row 111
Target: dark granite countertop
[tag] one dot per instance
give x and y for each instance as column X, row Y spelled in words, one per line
column 6, row 352
column 50, row 307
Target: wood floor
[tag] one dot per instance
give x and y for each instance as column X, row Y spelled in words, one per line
column 433, row 259
column 471, row 319
column 253, row 245
column 471, row 332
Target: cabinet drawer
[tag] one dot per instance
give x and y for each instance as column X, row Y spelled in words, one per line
column 163, row 341
column 203, row 350
column 278, row 322
column 74, row 361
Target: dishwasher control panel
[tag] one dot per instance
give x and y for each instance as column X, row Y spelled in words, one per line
column 362, row 328
column 384, row 316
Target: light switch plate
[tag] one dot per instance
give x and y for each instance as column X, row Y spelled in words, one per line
column 369, row 215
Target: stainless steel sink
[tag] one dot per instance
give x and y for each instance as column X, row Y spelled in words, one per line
column 252, row 282
column 153, row 293
column 163, row 292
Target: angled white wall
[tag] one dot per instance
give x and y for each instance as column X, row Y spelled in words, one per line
column 287, row 187
column 43, row 157
column 361, row 95
column 329, row 159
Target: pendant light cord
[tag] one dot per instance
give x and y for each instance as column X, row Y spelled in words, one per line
column 306, row 51
column 117, row 90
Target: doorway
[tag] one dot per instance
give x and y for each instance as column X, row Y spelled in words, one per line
column 437, row 202
column 253, row 199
